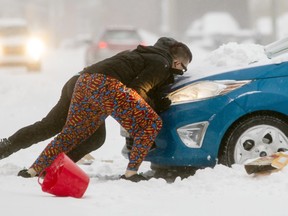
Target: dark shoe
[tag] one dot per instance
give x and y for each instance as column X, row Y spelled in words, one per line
column 5, row 150
column 24, row 173
column 134, row 178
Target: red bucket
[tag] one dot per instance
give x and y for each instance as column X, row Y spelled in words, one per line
column 64, row 178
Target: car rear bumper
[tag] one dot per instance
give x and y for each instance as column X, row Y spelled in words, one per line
column 17, row 60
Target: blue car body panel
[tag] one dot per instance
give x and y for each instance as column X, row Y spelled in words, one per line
column 250, row 73
column 268, row 90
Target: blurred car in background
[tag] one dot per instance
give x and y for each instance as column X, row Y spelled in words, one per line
column 18, row 47
column 216, row 28
column 76, row 41
column 228, row 117
column 112, row 41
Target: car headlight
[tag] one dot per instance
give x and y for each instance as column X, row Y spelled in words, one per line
column 192, row 135
column 34, row 48
column 205, row 89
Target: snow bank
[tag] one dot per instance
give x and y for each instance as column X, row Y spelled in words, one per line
column 234, row 54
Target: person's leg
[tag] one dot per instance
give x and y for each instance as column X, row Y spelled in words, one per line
column 95, row 141
column 138, row 118
column 52, row 125
column 44, row 129
column 84, row 118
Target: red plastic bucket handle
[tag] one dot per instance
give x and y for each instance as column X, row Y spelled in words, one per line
column 40, row 176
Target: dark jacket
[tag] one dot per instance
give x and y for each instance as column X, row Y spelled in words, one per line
column 144, row 69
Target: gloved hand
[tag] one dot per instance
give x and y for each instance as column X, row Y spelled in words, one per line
column 162, row 105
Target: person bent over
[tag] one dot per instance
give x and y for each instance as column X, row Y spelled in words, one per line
column 119, row 86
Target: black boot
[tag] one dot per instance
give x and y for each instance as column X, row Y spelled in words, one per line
column 134, row 178
column 5, row 148
column 24, row 173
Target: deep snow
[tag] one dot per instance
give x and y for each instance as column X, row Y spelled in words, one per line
column 27, row 97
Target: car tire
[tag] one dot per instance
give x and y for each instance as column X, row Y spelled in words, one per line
column 256, row 135
column 171, row 173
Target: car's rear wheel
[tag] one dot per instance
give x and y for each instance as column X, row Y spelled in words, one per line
column 255, row 136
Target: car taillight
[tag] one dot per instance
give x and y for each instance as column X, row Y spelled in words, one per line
column 102, row 45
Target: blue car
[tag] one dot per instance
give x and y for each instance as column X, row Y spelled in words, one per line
column 226, row 118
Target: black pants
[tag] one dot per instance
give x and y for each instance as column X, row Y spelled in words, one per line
column 53, row 123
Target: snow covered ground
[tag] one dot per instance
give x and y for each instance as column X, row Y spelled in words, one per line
column 27, row 97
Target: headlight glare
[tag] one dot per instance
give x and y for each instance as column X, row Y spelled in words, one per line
column 34, row 48
column 205, row 89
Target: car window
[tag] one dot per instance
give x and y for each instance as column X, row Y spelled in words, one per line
column 121, row 35
column 13, row 31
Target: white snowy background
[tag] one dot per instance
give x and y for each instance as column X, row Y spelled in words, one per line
column 27, row 97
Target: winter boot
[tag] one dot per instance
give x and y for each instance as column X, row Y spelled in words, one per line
column 5, row 148
column 27, row 173
column 134, row 178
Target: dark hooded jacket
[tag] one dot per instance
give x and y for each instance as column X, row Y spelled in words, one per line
column 145, row 69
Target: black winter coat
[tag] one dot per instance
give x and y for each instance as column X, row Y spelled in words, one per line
column 145, row 69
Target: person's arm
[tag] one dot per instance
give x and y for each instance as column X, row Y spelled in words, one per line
column 150, row 77
column 158, row 95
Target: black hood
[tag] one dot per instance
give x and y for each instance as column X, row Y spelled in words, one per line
column 165, row 43
column 161, row 47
